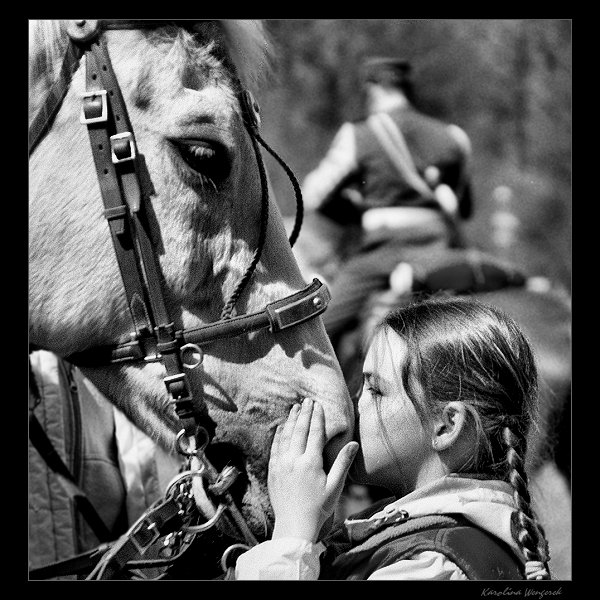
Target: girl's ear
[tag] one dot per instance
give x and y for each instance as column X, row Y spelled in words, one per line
column 449, row 425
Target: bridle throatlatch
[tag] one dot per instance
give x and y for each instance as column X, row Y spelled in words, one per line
column 166, row 530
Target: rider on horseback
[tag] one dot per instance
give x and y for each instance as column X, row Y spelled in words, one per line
column 396, row 171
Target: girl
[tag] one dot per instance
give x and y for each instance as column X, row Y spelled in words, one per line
column 449, row 388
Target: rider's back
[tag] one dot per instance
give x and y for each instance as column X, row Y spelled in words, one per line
column 429, row 141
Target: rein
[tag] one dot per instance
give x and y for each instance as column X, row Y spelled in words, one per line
column 172, row 522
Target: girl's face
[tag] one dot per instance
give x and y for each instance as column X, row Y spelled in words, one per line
column 396, row 450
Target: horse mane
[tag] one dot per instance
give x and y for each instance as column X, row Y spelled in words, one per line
column 47, row 45
column 249, row 49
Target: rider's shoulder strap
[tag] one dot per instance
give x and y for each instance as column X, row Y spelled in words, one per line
column 392, row 141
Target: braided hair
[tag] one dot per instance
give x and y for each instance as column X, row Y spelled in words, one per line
column 462, row 349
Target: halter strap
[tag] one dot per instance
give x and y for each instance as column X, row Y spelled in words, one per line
column 118, row 166
column 276, row 316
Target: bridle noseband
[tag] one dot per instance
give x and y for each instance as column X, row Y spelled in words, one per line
column 121, row 171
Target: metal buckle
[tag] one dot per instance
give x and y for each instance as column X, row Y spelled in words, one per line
column 175, row 379
column 103, row 113
column 142, row 547
column 284, row 314
column 126, row 135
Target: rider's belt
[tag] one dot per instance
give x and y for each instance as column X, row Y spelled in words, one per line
column 401, row 217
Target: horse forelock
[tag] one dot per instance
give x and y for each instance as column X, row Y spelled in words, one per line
column 249, row 47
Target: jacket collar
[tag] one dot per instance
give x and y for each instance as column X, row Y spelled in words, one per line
column 487, row 503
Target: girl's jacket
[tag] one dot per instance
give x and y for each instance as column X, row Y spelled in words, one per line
column 455, row 528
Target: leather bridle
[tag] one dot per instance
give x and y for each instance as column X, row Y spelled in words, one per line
column 121, row 174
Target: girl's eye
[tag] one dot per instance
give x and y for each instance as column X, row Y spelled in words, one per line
column 370, row 385
column 373, row 391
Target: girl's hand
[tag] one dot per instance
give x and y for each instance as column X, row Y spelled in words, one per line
column 303, row 496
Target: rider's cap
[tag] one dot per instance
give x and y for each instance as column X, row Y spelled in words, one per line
column 386, row 71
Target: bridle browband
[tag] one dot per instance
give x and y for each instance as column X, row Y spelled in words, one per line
column 121, row 174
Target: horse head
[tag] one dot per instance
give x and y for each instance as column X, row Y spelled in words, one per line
column 203, row 210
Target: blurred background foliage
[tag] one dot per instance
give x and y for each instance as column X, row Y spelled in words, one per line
column 507, row 83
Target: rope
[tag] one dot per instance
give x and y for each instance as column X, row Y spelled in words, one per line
column 226, row 312
column 299, row 203
column 255, row 136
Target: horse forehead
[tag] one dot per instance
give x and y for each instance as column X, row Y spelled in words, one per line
column 168, row 47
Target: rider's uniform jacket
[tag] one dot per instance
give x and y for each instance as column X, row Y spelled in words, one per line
column 356, row 157
column 118, row 467
column 455, row 528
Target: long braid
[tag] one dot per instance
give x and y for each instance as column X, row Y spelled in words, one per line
column 530, row 533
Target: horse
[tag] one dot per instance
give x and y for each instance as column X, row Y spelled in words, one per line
column 160, row 265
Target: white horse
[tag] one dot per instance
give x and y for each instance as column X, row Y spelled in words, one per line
column 203, row 211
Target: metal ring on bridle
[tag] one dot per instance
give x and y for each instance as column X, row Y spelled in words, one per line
column 186, row 450
column 204, row 526
column 196, row 353
column 227, row 554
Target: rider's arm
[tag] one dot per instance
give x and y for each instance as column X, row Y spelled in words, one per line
column 338, row 164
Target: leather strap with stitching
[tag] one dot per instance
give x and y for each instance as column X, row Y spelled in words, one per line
column 116, row 210
column 123, row 176
column 277, row 316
